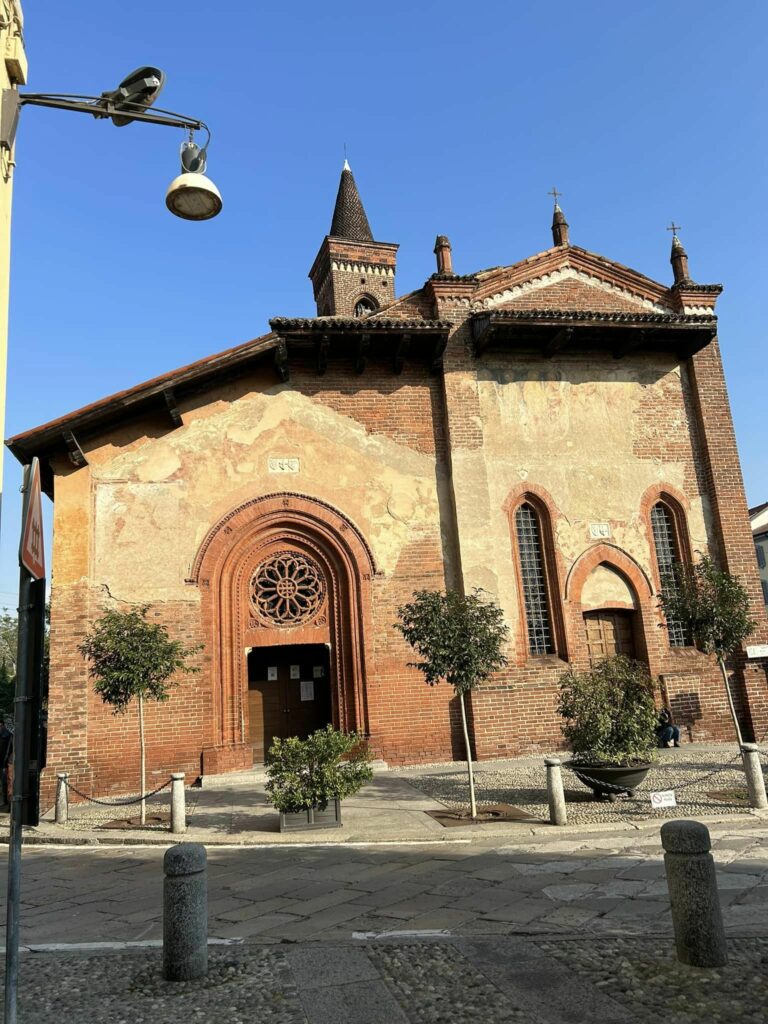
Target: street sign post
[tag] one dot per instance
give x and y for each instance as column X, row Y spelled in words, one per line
column 27, row 714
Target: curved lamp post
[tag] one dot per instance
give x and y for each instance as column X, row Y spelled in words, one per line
column 191, row 195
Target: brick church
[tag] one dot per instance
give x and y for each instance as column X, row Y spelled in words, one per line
column 555, row 431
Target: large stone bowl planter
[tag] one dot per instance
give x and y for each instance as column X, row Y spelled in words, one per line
column 610, row 782
column 293, row 821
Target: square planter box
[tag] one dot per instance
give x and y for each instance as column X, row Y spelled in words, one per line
column 292, row 821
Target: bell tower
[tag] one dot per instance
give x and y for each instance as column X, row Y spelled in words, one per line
column 352, row 275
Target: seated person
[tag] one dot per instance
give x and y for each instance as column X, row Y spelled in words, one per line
column 668, row 732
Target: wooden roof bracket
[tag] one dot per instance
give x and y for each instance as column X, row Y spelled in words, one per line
column 281, row 360
column 632, row 342
column 172, row 407
column 403, row 346
column 74, row 451
column 322, row 348
column 361, row 355
column 436, row 361
column 481, row 333
column 559, row 342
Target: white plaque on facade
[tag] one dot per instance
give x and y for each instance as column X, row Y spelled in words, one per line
column 599, row 531
column 757, row 650
column 318, row 671
column 307, row 689
column 278, row 465
column 295, row 671
column 272, row 673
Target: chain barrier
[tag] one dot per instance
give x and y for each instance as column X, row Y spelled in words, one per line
column 117, row 803
column 609, row 787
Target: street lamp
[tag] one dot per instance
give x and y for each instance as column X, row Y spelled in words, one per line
column 191, row 195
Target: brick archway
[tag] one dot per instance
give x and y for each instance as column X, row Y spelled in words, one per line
column 644, row 619
column 226, row 561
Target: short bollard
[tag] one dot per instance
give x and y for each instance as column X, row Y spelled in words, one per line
column 62, row 798
column 692, row 884
column 185, row 913
column 178, row 804
column 555, row 795
column 753, row 770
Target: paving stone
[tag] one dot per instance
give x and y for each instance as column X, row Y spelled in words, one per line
column 369, row 1003
column 319, row 967
column 567, row 892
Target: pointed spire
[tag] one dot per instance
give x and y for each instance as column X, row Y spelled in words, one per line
column 559, row 223
column 678, row 257
column 349, row 219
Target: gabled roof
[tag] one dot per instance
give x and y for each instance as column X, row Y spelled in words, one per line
column 159, row 393
column 502, row 284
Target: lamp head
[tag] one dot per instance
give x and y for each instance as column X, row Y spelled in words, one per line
column 192, row 196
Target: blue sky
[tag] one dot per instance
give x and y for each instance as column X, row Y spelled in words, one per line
column 457, row 119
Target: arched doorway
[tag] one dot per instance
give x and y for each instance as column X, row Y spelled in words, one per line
column 610, row 601
column 285, row 599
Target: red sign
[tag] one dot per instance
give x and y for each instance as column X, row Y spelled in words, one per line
column 31, row 553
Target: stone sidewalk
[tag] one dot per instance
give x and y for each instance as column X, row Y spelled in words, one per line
column 602, row 884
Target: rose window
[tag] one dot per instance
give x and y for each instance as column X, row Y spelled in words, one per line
column 288, row 588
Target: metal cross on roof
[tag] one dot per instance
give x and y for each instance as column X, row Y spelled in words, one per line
column 674, row 228
column 555, row 194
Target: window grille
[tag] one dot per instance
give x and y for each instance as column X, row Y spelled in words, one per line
column 667, row 557
column 534, row 581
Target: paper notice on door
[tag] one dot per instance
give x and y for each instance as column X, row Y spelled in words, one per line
column 295, row 671
column 318, row 671
column 307, row 689
column 272, row 673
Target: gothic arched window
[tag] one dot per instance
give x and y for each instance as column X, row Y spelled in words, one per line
column 533, row 573
column 364, row 306
column 666, row 540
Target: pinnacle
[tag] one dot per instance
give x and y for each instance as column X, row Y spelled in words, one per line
column 349, row 219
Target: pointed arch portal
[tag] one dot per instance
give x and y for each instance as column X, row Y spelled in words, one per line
column 282, row 578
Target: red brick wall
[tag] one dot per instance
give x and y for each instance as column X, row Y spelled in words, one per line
column 409, row 721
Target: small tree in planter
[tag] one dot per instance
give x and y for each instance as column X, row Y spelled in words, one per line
column 712, row 607
column 307, row 775
column 132, row 658
column 460, row 639
column 610, row 713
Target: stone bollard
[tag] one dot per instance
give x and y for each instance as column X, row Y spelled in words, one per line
column 185, row 913
column 555, row 795
column 62, row 798
column 753, row 770
column 692, row 883
column 178, row 804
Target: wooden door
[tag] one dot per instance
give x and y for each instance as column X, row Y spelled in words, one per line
column 289, row 694
column 609, row 632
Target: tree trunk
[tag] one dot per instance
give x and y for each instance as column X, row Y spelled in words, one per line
column 472, row 802
column 723, row 669
column 143, row 761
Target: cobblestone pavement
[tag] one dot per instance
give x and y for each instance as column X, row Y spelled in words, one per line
column 607, row 883
column 489, row 980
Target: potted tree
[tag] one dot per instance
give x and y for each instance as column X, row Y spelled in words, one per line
column 308, row 779
column 460, row 638
column 610, row 722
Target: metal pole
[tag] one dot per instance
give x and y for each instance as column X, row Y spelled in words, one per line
column 20, row 739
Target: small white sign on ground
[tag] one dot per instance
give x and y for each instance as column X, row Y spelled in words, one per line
column 664, row 798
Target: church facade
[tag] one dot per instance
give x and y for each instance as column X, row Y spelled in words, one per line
column 555, row 431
